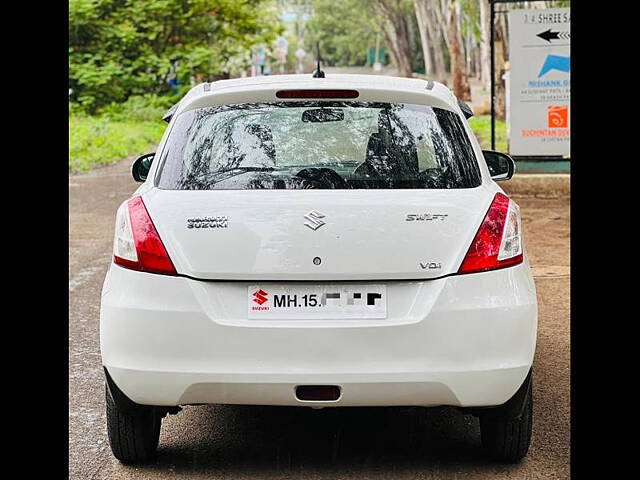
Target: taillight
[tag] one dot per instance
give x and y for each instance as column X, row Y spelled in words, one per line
column 498, row 243
column 137, row 244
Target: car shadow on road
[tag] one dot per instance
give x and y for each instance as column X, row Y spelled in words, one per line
column 248, row 441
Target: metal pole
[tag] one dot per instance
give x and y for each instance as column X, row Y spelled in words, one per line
column 493, row 77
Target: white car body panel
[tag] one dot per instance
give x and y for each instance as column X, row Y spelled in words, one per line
column 265, row 241
column 370, row 88
column 448, row 339
column 453, row 341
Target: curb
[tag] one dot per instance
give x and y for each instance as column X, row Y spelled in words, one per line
column 544, row 185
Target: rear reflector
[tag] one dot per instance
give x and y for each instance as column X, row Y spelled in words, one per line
column 317, row 393
column 317, row 94
column 498, row 243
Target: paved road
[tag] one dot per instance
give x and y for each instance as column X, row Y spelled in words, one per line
column 234, row 442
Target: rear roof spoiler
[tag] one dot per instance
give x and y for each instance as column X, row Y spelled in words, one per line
column 466, row 109
column 169, row 113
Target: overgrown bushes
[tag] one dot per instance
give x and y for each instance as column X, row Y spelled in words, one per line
column 120, row 130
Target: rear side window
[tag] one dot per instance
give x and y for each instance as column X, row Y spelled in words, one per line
column 320, row 145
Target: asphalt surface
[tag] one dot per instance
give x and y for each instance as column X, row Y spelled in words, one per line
column 237, row 442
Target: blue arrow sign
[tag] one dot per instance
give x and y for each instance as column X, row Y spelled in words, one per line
column 555, row 62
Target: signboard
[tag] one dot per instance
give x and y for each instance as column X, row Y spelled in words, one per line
column 371, row 56
column 539, row 82
column 281, row 51
column 259, row 56
column 300, row 54
column 282, row 44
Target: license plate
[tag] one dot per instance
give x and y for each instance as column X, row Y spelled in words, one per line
column 303, row 301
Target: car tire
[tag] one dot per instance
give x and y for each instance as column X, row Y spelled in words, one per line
column 506, row 430
column 134, row 434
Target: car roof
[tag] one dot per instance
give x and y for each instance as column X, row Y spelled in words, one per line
column 371, row 88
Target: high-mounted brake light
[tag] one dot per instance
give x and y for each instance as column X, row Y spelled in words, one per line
column 498, row 243
column 325, row 93
column 137, row 244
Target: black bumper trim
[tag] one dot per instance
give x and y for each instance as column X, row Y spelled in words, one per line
column 124, row 403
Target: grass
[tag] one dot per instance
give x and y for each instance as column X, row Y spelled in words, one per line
column 481, row 126
column 95, row 141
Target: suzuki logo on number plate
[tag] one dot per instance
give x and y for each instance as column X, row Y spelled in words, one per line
column 314, row 221
column 260, row 297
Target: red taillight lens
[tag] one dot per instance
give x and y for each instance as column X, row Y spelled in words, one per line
column 498, row 243
column 150, row 255
column 326, row 93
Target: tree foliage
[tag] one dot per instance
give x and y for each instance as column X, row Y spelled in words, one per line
column 345, row 30
column 119, row 48
column 399, row 32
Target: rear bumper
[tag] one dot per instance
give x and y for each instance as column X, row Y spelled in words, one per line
column 463, row 340
column 476, row 388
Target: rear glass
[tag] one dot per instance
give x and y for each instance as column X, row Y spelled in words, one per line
column 320, row 145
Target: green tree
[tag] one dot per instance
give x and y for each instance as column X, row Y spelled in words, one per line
column 119, row 48
column 396, row 17
column 345, row 30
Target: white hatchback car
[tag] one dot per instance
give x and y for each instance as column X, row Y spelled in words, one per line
column 400, row 280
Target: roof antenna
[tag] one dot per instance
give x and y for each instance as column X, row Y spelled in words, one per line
column 318, row 73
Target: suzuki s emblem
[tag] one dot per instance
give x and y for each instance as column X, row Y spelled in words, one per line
column 260, row 297
column 314, row 221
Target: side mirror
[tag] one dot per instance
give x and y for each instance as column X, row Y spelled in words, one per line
column 142, row 165
column 501, row 166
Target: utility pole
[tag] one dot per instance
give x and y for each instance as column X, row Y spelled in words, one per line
column 493, row 76
column 376, row 63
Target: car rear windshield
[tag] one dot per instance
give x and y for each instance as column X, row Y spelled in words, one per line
column 321, row 145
